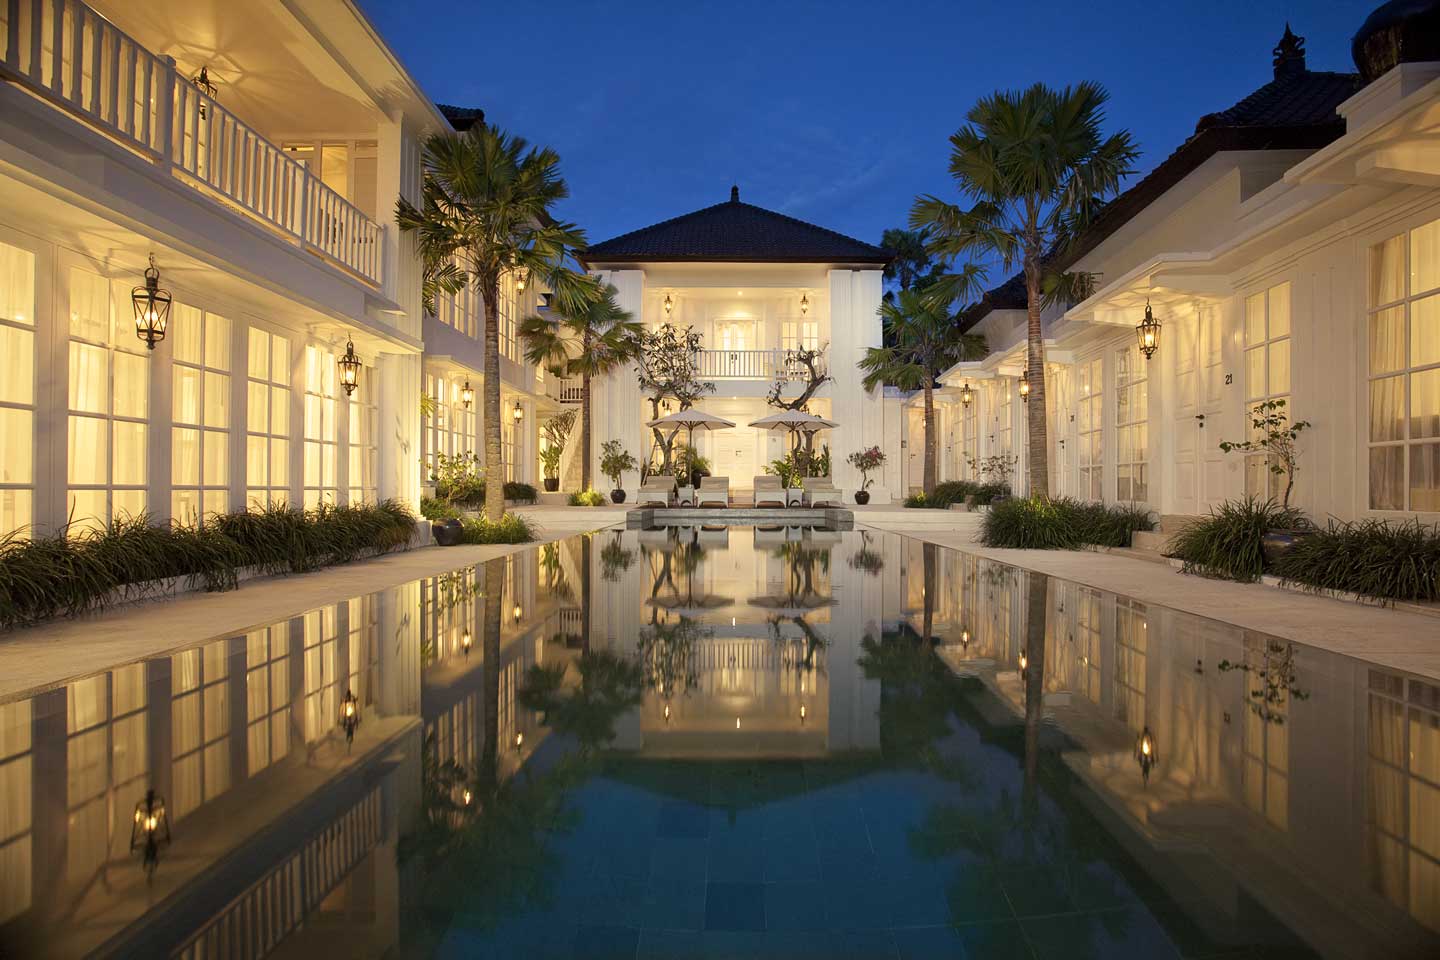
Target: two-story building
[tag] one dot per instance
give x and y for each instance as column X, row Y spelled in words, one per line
column 255, row 153
column 1290, row 249
column 756, row 285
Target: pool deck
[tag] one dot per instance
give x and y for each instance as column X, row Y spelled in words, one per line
column 61, row 651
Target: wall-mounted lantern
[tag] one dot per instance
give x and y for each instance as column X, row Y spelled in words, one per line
column 349, row 365
column 804, row 304
column 518, row 413
column 152, row 307
column 1024, row 667
column 521, row 278
column 967, row 396
column 1146, row 755
column 467, row 395
column 669, row 306
column 1025, row 387
column 202, row 82
column 518, row 613
column 1148, row 333
column 350, row 715
column 519, row 740
column 150, row 831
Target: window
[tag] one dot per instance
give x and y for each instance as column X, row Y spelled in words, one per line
column 969, row 439
column 1266, row 742
column 320, row 444
column 199, row 726
column 1090, row 436
column 1132, row 635
column 17, row 388
column 106, row 767
column 16, row 819
column 109, row 400
column 1004, row 417
column 1132, row 405
column 322, row 703
column 451, row 429
column 800, row 334
column 509, row 308
column 1267, row 375
column 200, row 439
column 363, row 453
column 267, row 441
column 1404, row 367
column 462, row 311
column 508, row 434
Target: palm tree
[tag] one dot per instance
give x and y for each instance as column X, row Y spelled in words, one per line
column 485, row 213
column 912, row 263
column 588, row 342
column 924, row 342
column 1034, row 168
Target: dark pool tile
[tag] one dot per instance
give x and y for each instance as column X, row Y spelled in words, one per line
column 1198, row 940
column 735, row 906
column 672, row 906
column 976, row 895
column 671, row 945
column 1098, row 886
column 928, row 943
column 915, row 903
column 606, row 943
column 679, row 861
column 791, row 859
column 1105, row 935
column 995, row 941
column 615, row 902
column 733, row 944
column 1037, row 891
column 736, row 860
column 679, row 820
column 795, row 906
column 857, row 904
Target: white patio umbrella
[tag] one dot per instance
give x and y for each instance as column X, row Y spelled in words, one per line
column 793, row 421
column 692, row 420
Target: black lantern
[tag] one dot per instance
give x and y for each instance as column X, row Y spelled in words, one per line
column 517, row 613
column 1025, row 386
column 467, row 395
column 669, row 306
column 350, row 715
column 202, row 82
column 150, row 831
column 967, row 396
column 521, row 276
column 1024, row 667
column 518, row 413
column 465, row 642
column 1148, row 332
column 152, row 307
column 349, row 369
column 1146, row 754
column 804, row 304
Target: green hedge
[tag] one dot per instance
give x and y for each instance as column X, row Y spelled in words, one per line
column 955, row 491
column 510, row 528
column 1371, row 558
column 472, row 495
column 1061, row 524
column 588, row 498
column 53, row 576
column 1228, row 543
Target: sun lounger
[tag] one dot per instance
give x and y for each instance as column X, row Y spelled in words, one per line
column 655, row 492
column 714, row 492
column 768, row 492
column 821, row 492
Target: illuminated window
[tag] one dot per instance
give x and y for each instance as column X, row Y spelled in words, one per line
column 267, row 415
column 109, row 401
column 322, row 702
column 17, row 390
column 16, row 818
column 509, row 308
column 321, row 485
column 267, row 696
column 1267, row 376
column 1004, row 418
column 1132, row 405
column 1090, row 433
column 200, row 439
column 364, row 456
column 451, row 427
column 800, row 334
column 1131, row 646
column 107, row 766
column 1404, row 365
column 199, row 726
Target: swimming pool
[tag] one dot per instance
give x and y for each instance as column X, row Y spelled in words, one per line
column 728, row 741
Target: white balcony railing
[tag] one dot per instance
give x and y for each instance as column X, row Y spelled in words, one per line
column 749, row 364
column 77, row 59
column 569, row 391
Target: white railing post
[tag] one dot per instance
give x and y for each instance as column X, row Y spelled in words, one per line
column 165, row 112
column 303, row 224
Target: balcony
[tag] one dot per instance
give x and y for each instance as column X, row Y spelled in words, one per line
column 74, row 58
column 751, row 365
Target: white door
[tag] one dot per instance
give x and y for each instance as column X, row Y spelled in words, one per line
column 1199, row 482
column 734, row 456
column 1060, row 383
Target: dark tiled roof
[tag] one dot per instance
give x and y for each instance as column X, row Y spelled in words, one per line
column 462, row 118
column 734, row 232
column 1295, row 111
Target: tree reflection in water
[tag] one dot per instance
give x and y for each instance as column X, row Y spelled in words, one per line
column 667, row 655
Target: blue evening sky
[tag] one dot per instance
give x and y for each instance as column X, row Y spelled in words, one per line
column 835, row 112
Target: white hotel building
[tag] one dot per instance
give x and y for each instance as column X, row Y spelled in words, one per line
column 267, row 202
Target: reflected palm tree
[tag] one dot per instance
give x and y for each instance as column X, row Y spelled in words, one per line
column 667, row 655
column 1037, row 607
column 929, row 554
column 810, row 643
column 607, row 686
column 918, row 695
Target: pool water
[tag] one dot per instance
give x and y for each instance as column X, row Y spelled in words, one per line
column 728, row 742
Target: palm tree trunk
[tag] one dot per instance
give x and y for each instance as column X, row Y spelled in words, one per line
column 494, row 454
column 1039, row 448
column 1037, row 607
column 490, row 748
column 585, row 593
column 930, row 464
column 585, row 432
column 929, row 554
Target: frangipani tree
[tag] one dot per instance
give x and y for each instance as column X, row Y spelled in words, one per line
column 925, row 341
column 485, row 212
column 588, row 342
column 1034, row 169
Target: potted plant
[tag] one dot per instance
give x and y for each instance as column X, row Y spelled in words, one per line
column 615, row 462
column 1274, row 435
column 866, row 461
column 996, row 471
column 690, row 466
column 555, row 433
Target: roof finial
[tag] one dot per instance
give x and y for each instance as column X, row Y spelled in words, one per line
column 735, row 194
column 1289, row 54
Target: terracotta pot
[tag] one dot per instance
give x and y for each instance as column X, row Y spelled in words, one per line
column 862, row 497
column 552, row 484
column 617, row 496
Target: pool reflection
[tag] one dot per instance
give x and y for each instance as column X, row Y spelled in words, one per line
column 977, row 728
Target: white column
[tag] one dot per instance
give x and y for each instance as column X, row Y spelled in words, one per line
column 854, row 327
column 615, row 400
column 398, row 380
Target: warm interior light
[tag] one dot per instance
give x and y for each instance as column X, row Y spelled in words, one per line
column 667, row 713
column 465, row 641
column 467, row 395
column 349, row 365
column 802, row 713
column 518, row 413
column 520, row 279
column 737, row 723
column 519, row 739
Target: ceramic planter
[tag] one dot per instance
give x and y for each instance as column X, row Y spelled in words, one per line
column 862, row 497
column 617, row 496
column 552, row 484
column 446, row 532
